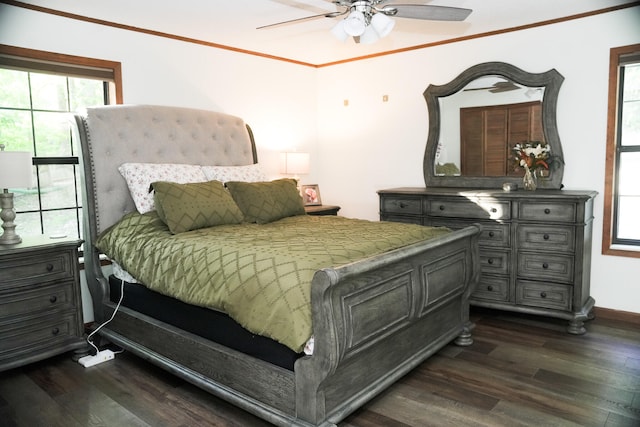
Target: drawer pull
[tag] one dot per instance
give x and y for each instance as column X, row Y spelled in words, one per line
column 49, row 267
column 441, row 207
column 545, row 265
column 547, row 211
column 55, row 331
column 402, row 205
column 494, row 210
column 53, row 299
column 490, row 260
column 491, row 234
column 490, row 288
column 545, row 236
column 543, row 294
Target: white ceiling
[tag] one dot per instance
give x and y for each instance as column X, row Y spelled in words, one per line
column 233, row 23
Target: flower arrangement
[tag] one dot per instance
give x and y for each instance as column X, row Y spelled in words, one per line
column 533, row 155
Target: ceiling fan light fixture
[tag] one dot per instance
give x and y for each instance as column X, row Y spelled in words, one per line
column 369, row 36
column 339, row 32
column 382, row 24
column 355, row 24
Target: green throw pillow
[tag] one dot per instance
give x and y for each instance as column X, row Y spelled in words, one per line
column 185, row 207
column 263, row 202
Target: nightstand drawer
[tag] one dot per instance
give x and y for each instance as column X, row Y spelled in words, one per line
column 37, row 298
column 402, row 205
column 492, row 288
column 543, row 295
column 32, row 269
column 47, row 331
column 546, row 237
column 477, row 209
column 494, row 261
column 562, row 212
column 551, row 266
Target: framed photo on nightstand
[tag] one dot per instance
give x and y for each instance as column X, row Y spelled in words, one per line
column 310, row 194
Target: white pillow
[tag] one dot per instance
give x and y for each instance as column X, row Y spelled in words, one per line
column 248, row 173
column 140, row 176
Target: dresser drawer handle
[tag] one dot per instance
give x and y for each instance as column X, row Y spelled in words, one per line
column 402, row 205
column 490, row 288
column 55, row 331
column 490, row 260
column 547, row 211
column 543, row 294
column 545, row 265
column 545, row 236
column 53, row 299
column 494, row 210
column 491, row 234
column 441, row 207
column 49, row 267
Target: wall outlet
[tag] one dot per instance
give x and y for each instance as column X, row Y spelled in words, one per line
column 100, row 357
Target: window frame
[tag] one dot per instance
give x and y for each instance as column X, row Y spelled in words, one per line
column 609, row 247
column 38, row 61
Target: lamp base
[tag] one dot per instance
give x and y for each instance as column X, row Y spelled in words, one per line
column 8, row 214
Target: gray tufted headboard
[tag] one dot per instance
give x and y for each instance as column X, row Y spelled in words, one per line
column 112, row 135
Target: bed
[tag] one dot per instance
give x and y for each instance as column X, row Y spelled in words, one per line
column 373, row 319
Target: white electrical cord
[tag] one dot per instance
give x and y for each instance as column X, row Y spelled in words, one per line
column 110, row 319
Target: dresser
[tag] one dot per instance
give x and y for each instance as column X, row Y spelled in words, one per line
column 40, row 302
column 535, row 247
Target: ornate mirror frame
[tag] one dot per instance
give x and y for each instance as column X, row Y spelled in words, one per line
column 550, row 81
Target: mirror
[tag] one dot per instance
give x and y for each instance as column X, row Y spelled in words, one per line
column 495, row 89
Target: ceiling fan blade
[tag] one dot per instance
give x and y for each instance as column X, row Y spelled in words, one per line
column 425, row 11
column 322, row 15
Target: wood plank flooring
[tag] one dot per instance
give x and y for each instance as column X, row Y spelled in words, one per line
column 521, row 371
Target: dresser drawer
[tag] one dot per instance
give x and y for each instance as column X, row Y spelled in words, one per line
column 37, row 333
column 37, row 298
column 35, row 269
column 551, row 266
column 400, row 218
column 561, row 212
column 494, row 261
column 492, row 288
column 546, row 237
column 463, row 208
column 545, row 295
column 401, row 205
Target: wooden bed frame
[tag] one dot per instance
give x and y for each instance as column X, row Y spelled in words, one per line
column 373, row 320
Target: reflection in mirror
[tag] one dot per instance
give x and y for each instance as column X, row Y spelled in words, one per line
column 476, row 119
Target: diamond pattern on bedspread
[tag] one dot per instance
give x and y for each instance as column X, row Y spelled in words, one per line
column 259, row 274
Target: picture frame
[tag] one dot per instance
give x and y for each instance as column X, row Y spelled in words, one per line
column 310, row 195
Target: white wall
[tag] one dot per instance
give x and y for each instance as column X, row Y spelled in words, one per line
column 371, row 145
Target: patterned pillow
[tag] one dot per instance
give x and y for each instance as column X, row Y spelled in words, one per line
column 139, row 177
column 248, row 173
column 186, row 207
column 263, row 202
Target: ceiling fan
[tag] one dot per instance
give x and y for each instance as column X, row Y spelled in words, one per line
column 369, row 20
column 497, row 87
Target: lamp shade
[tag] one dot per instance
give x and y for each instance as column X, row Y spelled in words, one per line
column 15, row 169
column 382, row 24
column 295, row 163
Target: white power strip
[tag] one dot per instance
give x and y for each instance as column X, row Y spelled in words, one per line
column 100, row 357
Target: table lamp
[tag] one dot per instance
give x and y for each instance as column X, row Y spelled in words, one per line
column 15, row 172
column 295, row 164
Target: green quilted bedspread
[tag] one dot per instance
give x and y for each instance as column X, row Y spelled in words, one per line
column 260, row 275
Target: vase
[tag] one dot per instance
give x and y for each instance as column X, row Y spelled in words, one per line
column 529, row 181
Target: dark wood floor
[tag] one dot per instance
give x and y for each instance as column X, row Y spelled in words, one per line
column 521, row 371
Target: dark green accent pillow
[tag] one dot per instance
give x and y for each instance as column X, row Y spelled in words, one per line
column 264, row 202
column 185, row 207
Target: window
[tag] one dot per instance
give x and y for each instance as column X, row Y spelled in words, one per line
column 38, row 91
column 621, row 233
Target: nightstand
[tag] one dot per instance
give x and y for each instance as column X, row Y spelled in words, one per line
column 322, row 210
column 41, row 313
